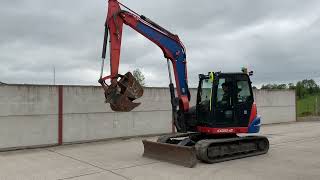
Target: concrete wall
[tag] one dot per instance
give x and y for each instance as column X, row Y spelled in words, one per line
column 29, row 114
column 276, row 106
column 87, row 117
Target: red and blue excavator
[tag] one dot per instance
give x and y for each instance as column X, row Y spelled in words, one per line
column 215, row 129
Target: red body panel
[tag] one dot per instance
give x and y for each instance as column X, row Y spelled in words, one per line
column 229, row 130
column 253, row 113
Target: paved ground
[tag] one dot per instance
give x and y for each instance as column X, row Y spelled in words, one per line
column 294, row 154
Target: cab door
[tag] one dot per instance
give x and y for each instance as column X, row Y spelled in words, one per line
column 224, row 113
column 243, row 100
column 204, row 101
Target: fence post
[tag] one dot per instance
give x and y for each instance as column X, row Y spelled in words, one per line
column 60, row 115
column 316, row 108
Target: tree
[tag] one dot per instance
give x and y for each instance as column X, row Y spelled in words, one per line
column 306, row 86
column 267, row 86
column 291, row 86
column 281, row 86
column 301, row 90
column 139, row 76
column 274, row 86
column 311, row 86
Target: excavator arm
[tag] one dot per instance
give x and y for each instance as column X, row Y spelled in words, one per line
column 170, row 44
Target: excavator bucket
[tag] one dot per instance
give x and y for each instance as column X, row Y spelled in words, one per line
column 130, row 86
column 181, row 155
column 121, row 95
column 123, row 104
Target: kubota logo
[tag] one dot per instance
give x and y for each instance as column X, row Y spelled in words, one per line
column 225, row 130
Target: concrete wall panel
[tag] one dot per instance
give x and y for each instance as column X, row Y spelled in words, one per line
column 91, row 99
column 28, row 116
column 276, row 106
column 272, row 115
column 28, row 100
column 95, row 126
column 272, row 98
column 24, row 131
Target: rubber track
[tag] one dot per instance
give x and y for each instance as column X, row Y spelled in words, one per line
column 203, row 146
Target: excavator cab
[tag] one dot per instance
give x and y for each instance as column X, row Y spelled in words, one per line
column 224, row 100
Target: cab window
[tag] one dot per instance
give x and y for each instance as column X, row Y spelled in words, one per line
column 224, row 92
column 220, row 91
column 205, row 91
column 243, row 91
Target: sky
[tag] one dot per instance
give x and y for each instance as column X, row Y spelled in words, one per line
column 278, row 40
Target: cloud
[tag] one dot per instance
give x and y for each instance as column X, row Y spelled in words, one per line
column 276, row 39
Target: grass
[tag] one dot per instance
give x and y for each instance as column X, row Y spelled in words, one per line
column 307, row 105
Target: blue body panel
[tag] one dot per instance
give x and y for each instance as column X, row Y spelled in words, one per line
column 254, row 127
column 175, row 49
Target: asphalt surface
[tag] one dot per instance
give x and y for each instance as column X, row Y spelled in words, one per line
column 294, row 154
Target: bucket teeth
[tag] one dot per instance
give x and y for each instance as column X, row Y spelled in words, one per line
column 122, row 94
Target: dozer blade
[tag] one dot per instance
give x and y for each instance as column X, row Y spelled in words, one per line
column 121, row 94
column 181, row 155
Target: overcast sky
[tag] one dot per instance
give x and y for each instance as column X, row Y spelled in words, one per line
column 277, row 39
